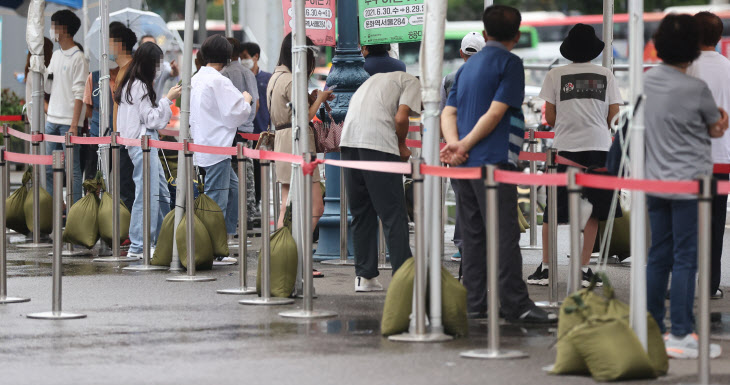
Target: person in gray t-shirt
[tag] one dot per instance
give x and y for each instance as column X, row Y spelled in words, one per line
column 680, row 117
column 243, row 79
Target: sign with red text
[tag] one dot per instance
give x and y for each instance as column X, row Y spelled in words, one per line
column 319, row 18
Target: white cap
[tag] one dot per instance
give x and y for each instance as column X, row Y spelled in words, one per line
column 472, row 43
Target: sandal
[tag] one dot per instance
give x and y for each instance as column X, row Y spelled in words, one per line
column 317, row 274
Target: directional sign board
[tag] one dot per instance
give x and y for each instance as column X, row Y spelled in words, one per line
column 319, row 17
column 390, row 21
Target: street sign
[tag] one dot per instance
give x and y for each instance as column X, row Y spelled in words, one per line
column 319, row 18
column 390, row 21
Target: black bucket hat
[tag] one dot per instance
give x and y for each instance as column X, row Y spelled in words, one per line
column 582, row 45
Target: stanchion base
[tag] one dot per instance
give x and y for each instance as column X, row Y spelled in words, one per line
column 239, row 291
column 548, row 304
column 145, row 268
column 13, row 300
column 55, row 315
column 191, row 278
column 338, row 262
column 385, row 266
column 530, row 247
column 489, row 354
column 428, row 337
column 272, row 301
column 308, row 314
column 34, row 245
column 75, row 253
column 114, row 259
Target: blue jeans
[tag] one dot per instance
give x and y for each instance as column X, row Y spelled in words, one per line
column 221, row 185
column 159, row 200
column 673, row 250
column 57, row 129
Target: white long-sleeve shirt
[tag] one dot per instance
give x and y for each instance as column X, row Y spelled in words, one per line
column 70, row 70
column 217, row 108
column 134, row 119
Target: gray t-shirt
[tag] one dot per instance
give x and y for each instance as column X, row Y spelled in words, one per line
column 243, row 79
column 678, row 111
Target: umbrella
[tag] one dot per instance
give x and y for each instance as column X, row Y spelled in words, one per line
column 142, row 23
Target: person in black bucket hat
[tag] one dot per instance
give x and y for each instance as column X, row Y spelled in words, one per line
column 580, row 100
column 582, row 45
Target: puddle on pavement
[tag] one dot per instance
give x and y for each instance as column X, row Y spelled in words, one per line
column 30, row 268
column 720, row 326
column 362, row 327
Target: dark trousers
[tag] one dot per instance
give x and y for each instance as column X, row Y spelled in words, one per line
column 371, row 195
column 719, row 215
column 89, row 160
column 126, row 182
column 471, row 206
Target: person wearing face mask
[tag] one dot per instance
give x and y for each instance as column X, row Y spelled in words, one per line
column 168, row 71
column 65, row 78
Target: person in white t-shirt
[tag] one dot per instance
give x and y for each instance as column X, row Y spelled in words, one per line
column 714, row 69
column 581, row 99
column 217, row 109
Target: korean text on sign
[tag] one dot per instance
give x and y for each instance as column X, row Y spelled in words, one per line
column 319, row 18
column 390, row 21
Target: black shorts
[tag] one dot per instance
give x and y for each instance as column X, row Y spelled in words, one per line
column 600, row 199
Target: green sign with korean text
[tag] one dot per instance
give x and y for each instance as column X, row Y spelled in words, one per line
column 390, row 21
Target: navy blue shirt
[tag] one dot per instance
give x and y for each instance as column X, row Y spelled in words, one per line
column 262, row 120
column 380, row 64
column 493, row 74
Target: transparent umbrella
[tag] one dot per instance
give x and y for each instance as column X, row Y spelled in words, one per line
column 142, row 23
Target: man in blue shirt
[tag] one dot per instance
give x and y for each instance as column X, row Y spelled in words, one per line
column 250, row 59
column 483, row 124
column 378, row 61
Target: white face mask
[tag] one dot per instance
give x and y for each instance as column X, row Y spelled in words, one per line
column 248, row 63
column 112, row 64
column 54, row 35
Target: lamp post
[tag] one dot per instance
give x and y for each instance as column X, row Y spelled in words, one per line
column 347, row 74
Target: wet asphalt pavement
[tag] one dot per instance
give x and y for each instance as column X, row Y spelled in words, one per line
column 142, row 329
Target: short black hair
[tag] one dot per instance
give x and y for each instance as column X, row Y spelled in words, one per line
column 236, row 47
column 378, row 49
column 710, row 28
column 677, row 40
column 251, row 48
column 502, row 22
column 68, row 19
column 200, row 59
column 120, row 32
column 216, row 49
column 285, row 56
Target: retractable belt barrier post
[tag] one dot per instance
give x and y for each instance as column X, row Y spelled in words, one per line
column 115, row 187
column 3, row 236
column 6, row 174
column 574, row 277
column 277, row 197
column 243, row 287
column 189, row 221
column 266, row 299
column 308, row 311
column 532, row 141
column 708, row 189
column 36, row 242
column 146, row 209
column 343, row 261
column 382, row 249
column 552, row 301
column 57, row 313
column 493, row 352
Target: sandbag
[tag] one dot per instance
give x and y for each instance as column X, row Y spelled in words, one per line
column 203, row 248
column 163, row 250
column 579, row 307
column 524, row 226
column 399, row 300
column 105, row 219
column 453, row 305
column 620, row 244
column 211, row 216
column 283, row 272
column 15, row 207
column 46, row 211
column 611, row 350
column 82, row 224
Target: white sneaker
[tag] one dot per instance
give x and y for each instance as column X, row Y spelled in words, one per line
column 687, row 348
column 137, row 256
column 225, row 261
column 367, row 285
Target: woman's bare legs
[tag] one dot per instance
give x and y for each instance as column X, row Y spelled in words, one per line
column 317, row 204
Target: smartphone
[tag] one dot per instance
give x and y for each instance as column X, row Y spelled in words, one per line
column 329, row 88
